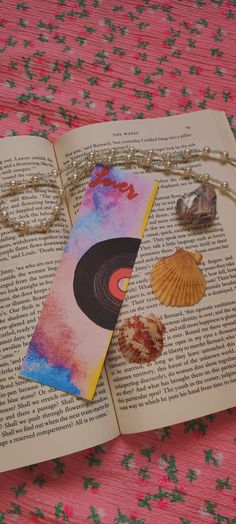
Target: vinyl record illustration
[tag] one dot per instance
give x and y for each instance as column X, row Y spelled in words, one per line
column 101, row 277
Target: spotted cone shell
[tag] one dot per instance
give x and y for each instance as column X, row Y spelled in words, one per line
column 141, row 338
column 177, row 280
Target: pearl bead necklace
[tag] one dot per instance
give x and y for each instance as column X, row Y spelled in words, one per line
column 14, row 187
column 168, row 163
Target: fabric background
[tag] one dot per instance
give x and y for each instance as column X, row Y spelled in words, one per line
column 65, row 64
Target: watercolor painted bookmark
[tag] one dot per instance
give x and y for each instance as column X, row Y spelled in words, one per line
column 71, row 339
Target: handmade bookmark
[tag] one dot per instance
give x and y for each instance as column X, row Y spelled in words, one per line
column 70, row 342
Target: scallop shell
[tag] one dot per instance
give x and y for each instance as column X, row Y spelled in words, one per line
column 177, row 280
column 141, row 338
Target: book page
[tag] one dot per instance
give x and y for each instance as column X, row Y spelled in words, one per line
column 37, row 422
column 196, row 373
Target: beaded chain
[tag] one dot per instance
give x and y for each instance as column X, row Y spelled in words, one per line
column 148, row 160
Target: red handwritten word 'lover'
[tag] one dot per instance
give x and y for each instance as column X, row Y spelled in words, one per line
column 123, row 187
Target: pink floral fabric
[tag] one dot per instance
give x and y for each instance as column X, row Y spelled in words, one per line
column 67, row 63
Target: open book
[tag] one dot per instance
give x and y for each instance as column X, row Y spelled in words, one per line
column 194, row 376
